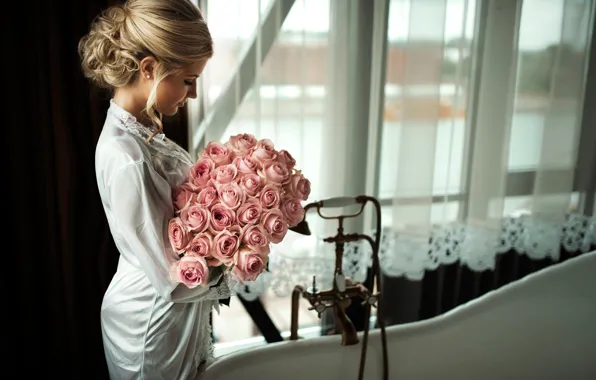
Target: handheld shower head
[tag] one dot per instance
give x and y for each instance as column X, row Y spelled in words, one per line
column 301, row 228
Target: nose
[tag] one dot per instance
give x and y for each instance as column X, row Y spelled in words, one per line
column 192, row 91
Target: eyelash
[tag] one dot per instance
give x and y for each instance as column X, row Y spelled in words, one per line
column 188, row 83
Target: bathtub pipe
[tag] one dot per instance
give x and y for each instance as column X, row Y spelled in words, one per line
column 296, row 295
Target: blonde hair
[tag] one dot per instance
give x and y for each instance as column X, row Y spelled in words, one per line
column 174, row 32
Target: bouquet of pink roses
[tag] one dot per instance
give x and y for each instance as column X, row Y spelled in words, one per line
column 237, row 199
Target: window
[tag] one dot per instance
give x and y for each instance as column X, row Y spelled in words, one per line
column 429, row 83
column 452, row 67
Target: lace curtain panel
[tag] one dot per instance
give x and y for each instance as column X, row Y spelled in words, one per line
column 481, row 135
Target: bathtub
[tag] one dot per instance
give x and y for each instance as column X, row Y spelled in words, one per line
column 541, row 327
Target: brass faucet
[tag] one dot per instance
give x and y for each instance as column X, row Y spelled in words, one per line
column 343, row 290
column 338, row 298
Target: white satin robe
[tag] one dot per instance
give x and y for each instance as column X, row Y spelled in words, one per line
column 152, row 329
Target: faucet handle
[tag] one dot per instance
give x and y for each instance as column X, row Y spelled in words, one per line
column 319, row 307
column 371, row 299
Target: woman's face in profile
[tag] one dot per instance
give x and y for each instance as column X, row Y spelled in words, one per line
column 174, row 90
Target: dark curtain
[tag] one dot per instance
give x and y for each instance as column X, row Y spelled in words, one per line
column 61, row 256
column 453, row 285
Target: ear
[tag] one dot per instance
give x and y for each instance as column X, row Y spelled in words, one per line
column 147, row 67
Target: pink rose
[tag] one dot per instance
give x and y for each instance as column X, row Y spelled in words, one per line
column 275, row 173
column 191, row 271
column 292, row 210
column 270, row 196
column 231, row 195
column 200, row 172
column 249, row 264
column 225, row 174
column 274, row 225
column 207, row 196
column 226, row 243
column 264, row 151
column 196, row 217
column 217, row 152
column 221, row 218
column 298, row 186
column 247, row 164
column 178, row 235
column 285, row 158
column 242, row 144
column 251, row 184
column 254, row 236
column 249, row 212
column 183, row 197
column 200, row 245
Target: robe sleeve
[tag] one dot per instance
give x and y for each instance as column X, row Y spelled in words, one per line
column 142, row 207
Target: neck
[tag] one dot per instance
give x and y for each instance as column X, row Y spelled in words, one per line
column 130, row 102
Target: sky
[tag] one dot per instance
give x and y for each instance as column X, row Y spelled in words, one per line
column 540, row 20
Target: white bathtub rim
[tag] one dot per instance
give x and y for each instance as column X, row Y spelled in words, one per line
column 439, row 322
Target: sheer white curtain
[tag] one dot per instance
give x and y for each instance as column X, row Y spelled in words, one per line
column 287, row 83
column 483, row 119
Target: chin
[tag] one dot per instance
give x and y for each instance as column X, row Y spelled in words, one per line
column 171, row 111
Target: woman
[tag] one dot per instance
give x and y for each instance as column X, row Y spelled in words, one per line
column 150, row 53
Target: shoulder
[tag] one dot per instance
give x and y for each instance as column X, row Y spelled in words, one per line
column 124, row 162
column 117, row 151
column 115, row 141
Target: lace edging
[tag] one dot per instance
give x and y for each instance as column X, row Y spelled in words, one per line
column 160, row 142
column 478, row 248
